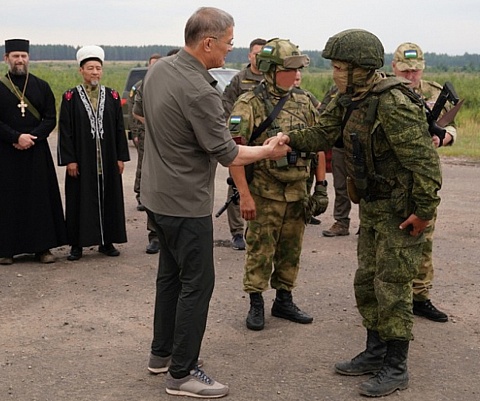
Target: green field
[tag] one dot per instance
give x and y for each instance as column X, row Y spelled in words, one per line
column 64, row 75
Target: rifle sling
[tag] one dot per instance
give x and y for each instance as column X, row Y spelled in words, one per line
column 30, row 106
column 348, row 113
column 266, row 123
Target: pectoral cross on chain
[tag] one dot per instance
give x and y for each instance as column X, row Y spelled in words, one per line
column 22, row 105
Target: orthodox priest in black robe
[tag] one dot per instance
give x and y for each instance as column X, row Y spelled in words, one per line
column 31, row 212
column 93, row 145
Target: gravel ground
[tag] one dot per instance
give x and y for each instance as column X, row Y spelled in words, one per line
column 81, row 330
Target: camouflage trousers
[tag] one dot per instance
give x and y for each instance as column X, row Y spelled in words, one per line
column 274, row 243
column 388, row 261
column 235, row 220
column 422, row 284
column 138, row 171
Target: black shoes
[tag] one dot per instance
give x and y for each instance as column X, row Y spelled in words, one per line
column 75, row 253
column 284, row 307
column 153, row 246
column 427, row 310
column 108, row 250
column 256, row 314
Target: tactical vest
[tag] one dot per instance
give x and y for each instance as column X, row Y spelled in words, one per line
column 370, row 161
column 295, row 114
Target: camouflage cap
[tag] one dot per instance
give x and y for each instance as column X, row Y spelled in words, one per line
column 283, row 53
column 409, row 56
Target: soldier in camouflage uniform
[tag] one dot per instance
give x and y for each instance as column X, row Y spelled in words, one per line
column 394, row 175
column 408, row 62
column 274, row 202
column 318, row 168
column 242, row 82
column 137, row 129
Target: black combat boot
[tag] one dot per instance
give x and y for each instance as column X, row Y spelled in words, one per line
column 284, row 308
column 256, row 314
column 393, row 375
column 428, row 310
column 368, row 361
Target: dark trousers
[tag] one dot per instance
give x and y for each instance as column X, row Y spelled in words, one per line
column 342, row 207
column 185, row 282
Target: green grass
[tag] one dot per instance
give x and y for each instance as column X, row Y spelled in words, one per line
column 64, row 75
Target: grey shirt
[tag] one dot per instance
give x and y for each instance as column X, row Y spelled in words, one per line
column 185, row 136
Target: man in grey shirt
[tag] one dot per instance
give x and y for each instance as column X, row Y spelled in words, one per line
column 186, row 136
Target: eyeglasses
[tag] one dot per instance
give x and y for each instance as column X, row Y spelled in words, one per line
column 227, row 43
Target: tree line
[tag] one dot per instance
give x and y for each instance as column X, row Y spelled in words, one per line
column 238, row 57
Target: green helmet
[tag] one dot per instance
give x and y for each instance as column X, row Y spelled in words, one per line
column 281, row 52
column 357, row 47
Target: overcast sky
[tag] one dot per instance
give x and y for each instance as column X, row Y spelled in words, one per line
column 440, row 26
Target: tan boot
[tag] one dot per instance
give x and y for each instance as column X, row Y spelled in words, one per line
column 336, row 230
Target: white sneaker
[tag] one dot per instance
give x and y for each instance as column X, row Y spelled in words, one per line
column 197, row 384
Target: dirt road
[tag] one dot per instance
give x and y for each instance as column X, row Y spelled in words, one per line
column 81, row 331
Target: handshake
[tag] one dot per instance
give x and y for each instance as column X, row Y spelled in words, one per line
column 278, row 146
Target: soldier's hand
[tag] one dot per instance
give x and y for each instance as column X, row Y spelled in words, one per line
column 317, row 203
column 278, row 148
column 416, row 225
column 319, row 200
column 436, row 130
column 248, row 209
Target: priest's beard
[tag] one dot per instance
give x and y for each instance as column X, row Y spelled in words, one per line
column 94, row 83
column 18, row 69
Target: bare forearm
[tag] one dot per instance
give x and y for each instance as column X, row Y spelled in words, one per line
column 250, row 154
column 274, row 148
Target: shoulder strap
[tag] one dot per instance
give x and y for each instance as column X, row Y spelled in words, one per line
column 266, row 123
column 30, row 106
column 348, row 113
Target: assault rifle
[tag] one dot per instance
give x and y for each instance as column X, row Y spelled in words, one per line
column 435, row 124
column 234, row 198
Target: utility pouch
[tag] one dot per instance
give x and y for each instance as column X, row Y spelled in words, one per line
column 352, row 191
column 401, row 203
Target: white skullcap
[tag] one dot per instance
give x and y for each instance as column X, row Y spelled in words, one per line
column 87, row 52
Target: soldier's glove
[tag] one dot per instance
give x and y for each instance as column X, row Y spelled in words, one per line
column 436, row 130
column 317, row 203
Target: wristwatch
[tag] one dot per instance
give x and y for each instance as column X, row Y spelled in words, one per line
column 323, row 182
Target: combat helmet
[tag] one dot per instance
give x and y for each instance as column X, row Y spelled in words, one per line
column 357, row 47
column 283, row 53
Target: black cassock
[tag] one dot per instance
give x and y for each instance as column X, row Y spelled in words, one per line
column 96, row 140
column 31, row 213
